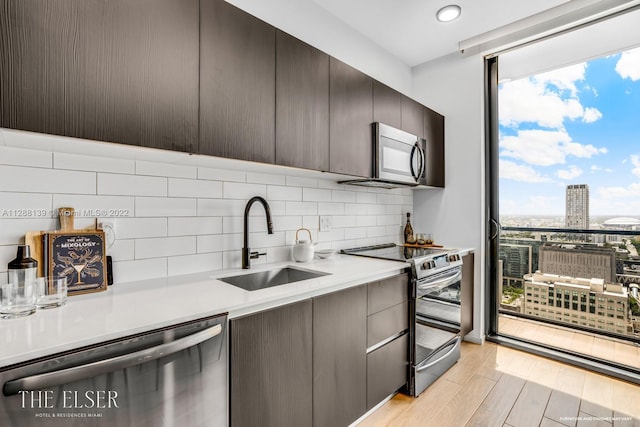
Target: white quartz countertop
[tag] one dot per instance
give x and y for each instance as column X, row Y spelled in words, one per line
column 130, row 308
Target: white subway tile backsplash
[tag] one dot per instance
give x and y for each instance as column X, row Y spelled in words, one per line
column 330, row 208
column 220, row 207
column 164, row 207
column 340, row 221
column 166, row 169
column 190, row 226
column 238, row 190
column 297, row 181
column 355, row 233
column 266, row 178
column 122, row 250
column 165, row 246
column 7, row 253
column 93, row 163
column 279, row 192
column 175, row 218
column 130, row 271
column 285, row 223
column 195, row 188
column 343, row 196
column 12, row 230
column 187, row 264
column 222, row 175
column 134, row 228
column 316, row 195
column 43, row 180
column 210, row 243
column 131, row 185
column 24, row 157
column 365, row 197
column 94, row 206
column 26, row 205
column 301, row 208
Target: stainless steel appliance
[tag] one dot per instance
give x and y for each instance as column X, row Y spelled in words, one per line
column 398, row 159
column 435, row 309
column 167, row 377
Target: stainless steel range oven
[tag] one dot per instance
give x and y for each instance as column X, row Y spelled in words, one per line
column 435, row 309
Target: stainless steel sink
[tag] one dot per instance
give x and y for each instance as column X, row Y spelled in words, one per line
column 269, row 278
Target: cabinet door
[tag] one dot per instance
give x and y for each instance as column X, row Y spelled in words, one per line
column 237, row 84
column 434, row 134
column 387, row 105
column 412, row 117
column 119, row 70
column 339, row 357
column 271, row 367
column 350, row 118
column 466, row 294
column 302, row 104
column 387, row 369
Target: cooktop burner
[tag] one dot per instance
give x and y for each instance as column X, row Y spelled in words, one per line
column 393, row 252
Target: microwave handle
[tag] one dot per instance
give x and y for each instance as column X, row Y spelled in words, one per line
column 421, row 168
column 416, row 149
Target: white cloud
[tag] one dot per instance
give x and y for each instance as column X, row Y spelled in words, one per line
column 526, row 101
column 568, row 174
column 591, row 115
column 628, row 65
column 564, row 78
column 635, row 161
column 516, row 172
column 545, row 148
column 595, row 168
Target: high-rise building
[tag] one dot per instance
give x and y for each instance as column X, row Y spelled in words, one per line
column 577, row 206
column 578, row 261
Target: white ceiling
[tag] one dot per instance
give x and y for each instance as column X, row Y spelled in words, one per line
column 409, row 30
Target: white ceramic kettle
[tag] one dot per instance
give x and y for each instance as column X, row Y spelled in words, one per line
column 303, row 250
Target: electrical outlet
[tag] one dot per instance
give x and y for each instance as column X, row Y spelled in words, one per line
column 109, row 229
column 325, row 223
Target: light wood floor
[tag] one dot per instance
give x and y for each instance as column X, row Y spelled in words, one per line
column 493, row 385
column 591, row 344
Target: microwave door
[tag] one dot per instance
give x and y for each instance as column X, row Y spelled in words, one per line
column 395, row 160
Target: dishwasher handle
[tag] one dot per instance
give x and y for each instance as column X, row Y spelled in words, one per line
column 68, row 375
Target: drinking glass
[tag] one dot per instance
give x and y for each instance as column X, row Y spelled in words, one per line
column 17, row 300
column 52, row 292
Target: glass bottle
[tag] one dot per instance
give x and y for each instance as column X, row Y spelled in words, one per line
column 23, row 269
column 408, row 230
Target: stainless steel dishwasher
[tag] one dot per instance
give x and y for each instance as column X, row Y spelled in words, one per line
column 174, row 376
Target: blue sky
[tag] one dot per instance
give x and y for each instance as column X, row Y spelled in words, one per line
column 575, row 125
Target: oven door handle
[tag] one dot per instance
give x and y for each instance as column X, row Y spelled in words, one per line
column 443, row 282
column 453, row 345
column 68, row 375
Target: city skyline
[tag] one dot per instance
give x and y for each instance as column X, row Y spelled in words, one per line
column 578, row 125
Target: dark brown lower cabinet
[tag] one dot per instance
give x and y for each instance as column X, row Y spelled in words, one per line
column 271, row 367
column 339, row 357
column 387, row 369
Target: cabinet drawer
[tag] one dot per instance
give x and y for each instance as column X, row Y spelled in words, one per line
column 387, row 369
column 387, row 293
column 387, row 323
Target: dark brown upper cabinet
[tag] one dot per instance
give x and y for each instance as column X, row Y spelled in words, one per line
column 237, row 84
column 387, row 105
column 350, row 118
column 121, row 70
column 434, row 134
column 302, row 104
column 412, row 117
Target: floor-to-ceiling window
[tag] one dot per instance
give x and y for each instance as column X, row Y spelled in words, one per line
column 565, row 175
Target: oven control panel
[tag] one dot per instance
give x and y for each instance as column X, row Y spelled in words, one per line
column 435, row 264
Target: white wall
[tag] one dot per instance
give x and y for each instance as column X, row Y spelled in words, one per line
column 453, row 86
column 314, row 25
column 181, row 213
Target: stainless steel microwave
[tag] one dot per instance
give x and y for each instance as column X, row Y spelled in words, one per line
column 399, row 159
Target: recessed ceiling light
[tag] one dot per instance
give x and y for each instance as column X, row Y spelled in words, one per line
column 448, row 13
